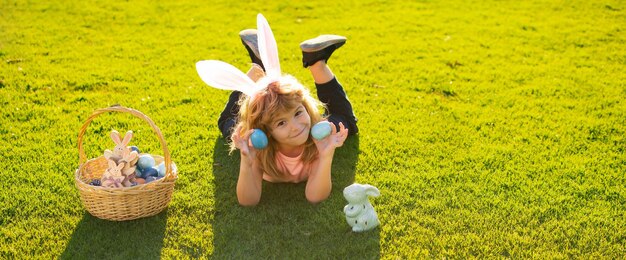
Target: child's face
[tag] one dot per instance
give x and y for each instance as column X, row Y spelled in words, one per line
column 291, row 128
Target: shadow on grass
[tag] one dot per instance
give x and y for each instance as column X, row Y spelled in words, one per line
column 94, row 238
column 285, row 224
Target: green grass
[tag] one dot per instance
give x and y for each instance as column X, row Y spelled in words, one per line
column 492, row 128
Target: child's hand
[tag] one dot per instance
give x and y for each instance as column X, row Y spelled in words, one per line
column 243, row 143
column 336, row 138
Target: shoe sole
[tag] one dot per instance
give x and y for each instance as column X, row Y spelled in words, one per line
column 321, row 42
column 249, row 37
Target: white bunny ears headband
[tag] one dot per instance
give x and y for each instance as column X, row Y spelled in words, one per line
column 221, row 75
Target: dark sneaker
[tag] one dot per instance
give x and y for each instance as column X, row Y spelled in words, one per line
column 320, row 48
column 249, row 40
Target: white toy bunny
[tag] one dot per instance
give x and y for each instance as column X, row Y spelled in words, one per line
column 360, row 213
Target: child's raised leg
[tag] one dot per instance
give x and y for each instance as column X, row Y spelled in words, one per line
column 228, row 117
column 315, row 55
column 250, row 41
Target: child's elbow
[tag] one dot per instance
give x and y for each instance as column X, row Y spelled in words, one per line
column 316, row 198
column 248, row 202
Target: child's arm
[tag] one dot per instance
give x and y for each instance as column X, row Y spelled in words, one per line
column 319, row 185
column 250, row 176
column 250, row 182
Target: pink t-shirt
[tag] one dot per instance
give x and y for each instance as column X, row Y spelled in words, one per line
column 295, row 168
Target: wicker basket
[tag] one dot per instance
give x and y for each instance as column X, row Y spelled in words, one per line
column 128, row 202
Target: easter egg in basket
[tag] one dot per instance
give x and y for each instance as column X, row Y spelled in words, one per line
column 149, row 172
column 146, row 161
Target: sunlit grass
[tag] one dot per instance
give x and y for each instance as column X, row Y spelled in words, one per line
column 492, row 129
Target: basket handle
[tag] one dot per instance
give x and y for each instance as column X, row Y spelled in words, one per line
column 136, row 113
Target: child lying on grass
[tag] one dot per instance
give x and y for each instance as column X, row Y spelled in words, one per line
column 279, row 105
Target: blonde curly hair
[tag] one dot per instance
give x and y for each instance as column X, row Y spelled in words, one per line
column 258, row 111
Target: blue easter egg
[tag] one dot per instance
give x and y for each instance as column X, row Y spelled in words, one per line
column 145, row 161
column 151, row 179
column 150, row 171
column 135, row 148
column 138, row 172
column 258, row 139
column 321, row 130
column 161, row 169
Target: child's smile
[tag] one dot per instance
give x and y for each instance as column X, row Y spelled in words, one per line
column 291, row 128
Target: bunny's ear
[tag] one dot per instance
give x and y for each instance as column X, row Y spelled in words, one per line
column 131, row 156
column 267, row 47
column 371, row 190
column 115, row 135
column 127, row 137
column 221, row 75
column 120, row 166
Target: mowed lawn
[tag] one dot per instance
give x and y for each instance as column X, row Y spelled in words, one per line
column 493, row 129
